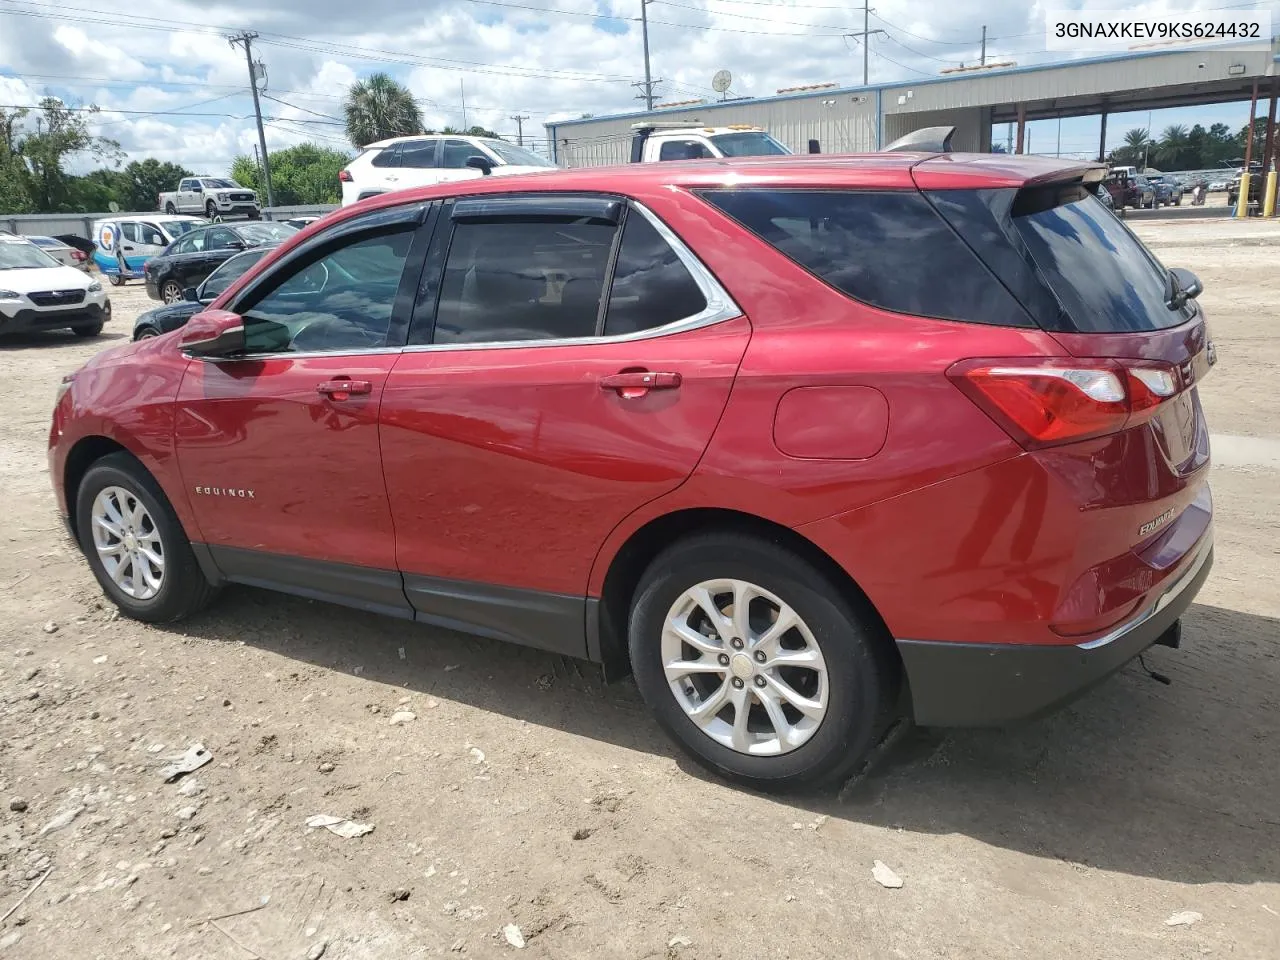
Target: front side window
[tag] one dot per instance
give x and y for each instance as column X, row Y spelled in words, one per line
column 338, row 303
column 889, row 249
column 457, row 153
column 150, row 234
column 683, row 150
column 651, row 287
column 512, row 280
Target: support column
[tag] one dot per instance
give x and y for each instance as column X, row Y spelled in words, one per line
column 1268, row 157
column 1102, row 139
column 1242, row 201
column 1022, row 126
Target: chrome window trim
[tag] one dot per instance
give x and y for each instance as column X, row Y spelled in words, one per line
column 720, row 306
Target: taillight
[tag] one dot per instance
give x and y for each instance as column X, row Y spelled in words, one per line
column 1044, row 402
column 344, row 176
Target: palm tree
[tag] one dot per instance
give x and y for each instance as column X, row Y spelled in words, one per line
column 1135, row 146
column 378, row 107
column 1173, row 147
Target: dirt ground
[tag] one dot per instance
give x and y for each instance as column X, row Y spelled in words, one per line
column 524, row 792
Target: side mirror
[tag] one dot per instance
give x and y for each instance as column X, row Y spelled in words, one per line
column 1189, row 285
column 190, row 294
column 483, row 164
column 214, row 333
column 236, row 245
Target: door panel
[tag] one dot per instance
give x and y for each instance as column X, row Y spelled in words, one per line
column 510, row 466
column 272, row 464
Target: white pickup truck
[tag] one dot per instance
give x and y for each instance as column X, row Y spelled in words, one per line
column 214, row 197
column 686, row 140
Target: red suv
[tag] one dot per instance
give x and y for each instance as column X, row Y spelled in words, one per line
column 802, row 442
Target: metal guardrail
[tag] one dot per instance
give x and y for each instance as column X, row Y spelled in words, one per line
column 81, row 224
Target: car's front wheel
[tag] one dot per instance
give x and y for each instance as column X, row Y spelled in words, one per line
column 756, row 664
column 146, row 333
column 135, row 544
column 87, row 330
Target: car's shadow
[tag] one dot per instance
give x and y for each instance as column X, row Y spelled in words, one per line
column 44, row 339
column 1175, row 782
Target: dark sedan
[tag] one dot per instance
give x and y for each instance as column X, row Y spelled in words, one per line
column 196, row 254
column 194, row 299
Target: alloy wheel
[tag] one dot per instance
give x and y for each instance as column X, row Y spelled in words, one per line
column 171, row 293
column 744, row 667
column 128, row 543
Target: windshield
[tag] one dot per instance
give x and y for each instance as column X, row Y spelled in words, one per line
column 221, row 184
column 517, row 156
column 1103, row 276
column 754, row 144
column 266, row 232
column 46, row 242
column 176, row 228
column 18, row 254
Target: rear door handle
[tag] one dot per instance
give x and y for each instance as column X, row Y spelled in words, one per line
column 341, row 389
column 637, row 383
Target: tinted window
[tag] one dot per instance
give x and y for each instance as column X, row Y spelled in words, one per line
column 197, row 241
column 457, row 152
column 508, row 280
column 889, row 249
column 130, row 231
column 185, row 185
column 177, row 228
column 651, row 287
column 418, row 153
column 229, row 272
column 683, row 150
column 265, row 232
column 149, row 234
column 341, row 302
column 387, row 157
column 222, row 239
column 1106, row 280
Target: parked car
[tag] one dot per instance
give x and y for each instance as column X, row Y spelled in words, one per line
column 1255, row 185
column 403, row 162
column 39, row 293
column 214, row 197
column 1146, row 192
column 66, row 255
column 1217, row 186
column 632, row 416
column 173, row 315
column 689, row 140
column 123, row 245
column 1168, row 191
column 187, row 261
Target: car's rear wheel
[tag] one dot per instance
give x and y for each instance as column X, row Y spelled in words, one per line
column 755, row 663
column 135, row 545
column 171, row 291
column 170, row 209
column 87, row 330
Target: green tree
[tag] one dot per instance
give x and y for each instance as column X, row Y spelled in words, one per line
column 140, row 183
column 1134, row 151
column 301, row 175
column 95, row 191
column 1173, row 152
column 476, row 131
column 61, row 133
column 15, row 192
column 378, row 107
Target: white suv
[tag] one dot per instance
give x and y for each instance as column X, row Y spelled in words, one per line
column 421, row 161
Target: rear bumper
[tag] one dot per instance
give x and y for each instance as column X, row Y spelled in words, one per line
column 979, row 685
column 82, row 314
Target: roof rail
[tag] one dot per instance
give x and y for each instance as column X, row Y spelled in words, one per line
column 926, row 140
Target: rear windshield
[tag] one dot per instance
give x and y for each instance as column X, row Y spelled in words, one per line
column 176, row 228
column 1105, row 279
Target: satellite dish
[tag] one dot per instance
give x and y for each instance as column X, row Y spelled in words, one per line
column 113, row 206
column 720, row 82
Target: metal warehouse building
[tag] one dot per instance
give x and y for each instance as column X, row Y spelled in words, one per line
column 858, row 119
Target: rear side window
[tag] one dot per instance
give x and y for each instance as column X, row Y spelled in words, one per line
column 651, row 287
column 1105, row 279
column 418, row 154
column 889, row 249
column 683, row 150
column 539, row 280
column 386, row 158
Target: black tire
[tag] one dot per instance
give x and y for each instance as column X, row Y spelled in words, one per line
column 146, row 333
column 255, row 215
column 171, row 291
column 116, row 280
column 184, row 589
column 862, row 673
column 170, row 209
column 212, row 212
column 1177, row 202
column 87, row 330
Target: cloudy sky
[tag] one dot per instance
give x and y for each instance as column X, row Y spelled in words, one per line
column 170, row 86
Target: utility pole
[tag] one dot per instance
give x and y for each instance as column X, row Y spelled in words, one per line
column 984, row 45
column 865, row 36
column 644, row 30
column 246, row 38
column 519, row 128
column 462, row 86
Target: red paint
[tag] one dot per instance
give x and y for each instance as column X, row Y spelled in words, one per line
column 831, row 423
column 530, row 467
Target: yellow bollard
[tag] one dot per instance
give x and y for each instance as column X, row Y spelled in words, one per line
column 1242, row 201
column 1269, row 196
